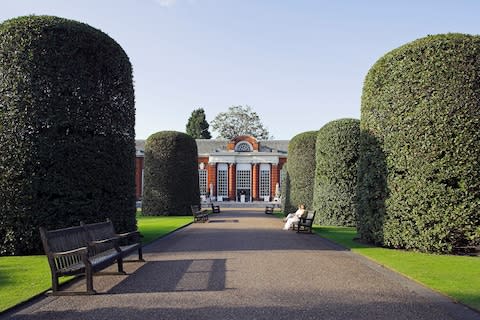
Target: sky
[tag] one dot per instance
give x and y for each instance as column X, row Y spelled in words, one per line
column 298, row 63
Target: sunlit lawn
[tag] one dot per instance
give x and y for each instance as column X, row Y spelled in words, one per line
column 456, row 276
column 27, row 276
column 154, row 227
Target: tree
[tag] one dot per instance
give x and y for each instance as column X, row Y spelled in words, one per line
column 334, row 195
column 171, row 174
column 237, row 121
column 418, row 177
column 301, row 170
column 67, row 117
column 197, row 126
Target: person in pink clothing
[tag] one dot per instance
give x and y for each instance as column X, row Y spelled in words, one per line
column 294, row 217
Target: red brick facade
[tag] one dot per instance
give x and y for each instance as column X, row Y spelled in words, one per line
column 250, row 152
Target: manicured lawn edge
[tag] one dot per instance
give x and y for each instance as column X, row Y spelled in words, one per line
column 155, row 231
column 456, row 277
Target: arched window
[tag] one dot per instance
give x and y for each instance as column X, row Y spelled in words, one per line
column 243, row 147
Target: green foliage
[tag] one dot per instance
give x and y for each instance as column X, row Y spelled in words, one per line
column 301, row 171
column 336, row 173
column 238, row 121
column 286, row 205
column 66, row 130
column 171, row 174
column 419, row 183
column 197, row 126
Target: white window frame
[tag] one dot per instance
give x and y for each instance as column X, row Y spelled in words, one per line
column 264, row 180
column 203, row 182
column 222, row 180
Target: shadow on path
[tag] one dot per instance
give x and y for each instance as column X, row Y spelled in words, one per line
column 174, row 276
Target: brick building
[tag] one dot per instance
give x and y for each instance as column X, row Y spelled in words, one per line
column 242, row 169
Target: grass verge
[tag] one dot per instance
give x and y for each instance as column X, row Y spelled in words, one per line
column 24, row 277
column 153, row 227
column 455, row 276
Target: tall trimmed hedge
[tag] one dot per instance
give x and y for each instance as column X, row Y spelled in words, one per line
column 301, row 171
column 336, row 173
column 66, row 130
column 285, row 195
column 420, row 128
column 171, row 174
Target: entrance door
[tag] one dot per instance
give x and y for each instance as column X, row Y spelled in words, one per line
column 244, row 178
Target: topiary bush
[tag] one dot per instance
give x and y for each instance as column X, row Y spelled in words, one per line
column 285, row 195
column 420, row 124
column 66, row 130
column 171, row 174
column 336, row 173
column 301, row 171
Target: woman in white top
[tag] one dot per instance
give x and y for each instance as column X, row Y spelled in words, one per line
column 294, row 217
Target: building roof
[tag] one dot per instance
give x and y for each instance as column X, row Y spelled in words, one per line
column 210, row 146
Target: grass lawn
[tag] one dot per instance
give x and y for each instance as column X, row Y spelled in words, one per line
column 24, row 277
column 153, row 227
column 455, row 276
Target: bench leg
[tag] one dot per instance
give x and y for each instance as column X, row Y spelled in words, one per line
column 120, row 265
column 140, row 254
column 54, row 284
column 89, row 279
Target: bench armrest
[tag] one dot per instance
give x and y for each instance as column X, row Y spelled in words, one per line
column 95, row 242
column 128, row 234
column 82, row 250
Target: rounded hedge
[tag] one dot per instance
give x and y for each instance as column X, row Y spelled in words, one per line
column 419, row 177
column 334, row 197
column 171, row 174
column 285, row 193
column 301, row 171
column 67, row 135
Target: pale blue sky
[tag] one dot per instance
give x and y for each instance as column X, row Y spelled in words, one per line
column 299, row 64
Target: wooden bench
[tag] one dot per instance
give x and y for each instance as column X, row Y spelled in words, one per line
column 199, row 214
column 305, row 223
column 73, row 251
column 128, row 242
column 269, row 210
column 215, row 208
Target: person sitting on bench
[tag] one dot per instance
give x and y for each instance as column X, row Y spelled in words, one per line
column 294, row 217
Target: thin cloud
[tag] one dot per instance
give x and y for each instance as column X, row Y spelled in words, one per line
column 166, row 3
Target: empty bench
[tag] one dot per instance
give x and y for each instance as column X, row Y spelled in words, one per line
column 85, row 249
column 199, row 214
column 269, row 210
column 215, row 208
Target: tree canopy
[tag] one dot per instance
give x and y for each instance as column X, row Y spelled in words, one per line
column 67, row 117
column 237, row 121
column 197, row 126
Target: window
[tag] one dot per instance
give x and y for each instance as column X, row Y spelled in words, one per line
column 243, row 147
column 202, row 179
column 243, row 179
column 222, row 180
column 264, row 185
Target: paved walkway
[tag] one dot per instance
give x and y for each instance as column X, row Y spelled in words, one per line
column 240, row 265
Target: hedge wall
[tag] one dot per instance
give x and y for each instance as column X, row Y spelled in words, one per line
column 66, row 130
column 285, row 195
column 420, row 126
column 171, row 174
column 301, row 171
column 335, row 187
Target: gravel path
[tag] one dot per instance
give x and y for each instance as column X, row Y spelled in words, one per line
column 241, row 265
